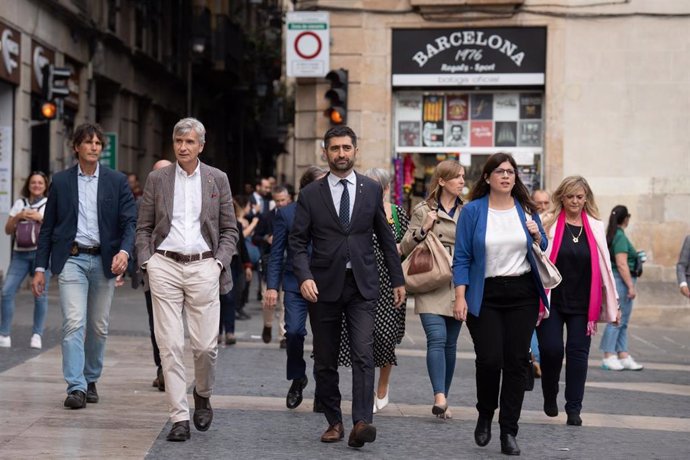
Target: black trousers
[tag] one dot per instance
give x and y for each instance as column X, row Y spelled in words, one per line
column 501, row 334
column 550, row 335
column 149, row 310
column 326, row 323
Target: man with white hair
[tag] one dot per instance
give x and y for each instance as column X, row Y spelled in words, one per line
column 186, row 237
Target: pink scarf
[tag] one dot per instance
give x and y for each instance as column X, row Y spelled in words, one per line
column 595, row 284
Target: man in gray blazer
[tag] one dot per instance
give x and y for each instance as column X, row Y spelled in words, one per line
column 186, row 237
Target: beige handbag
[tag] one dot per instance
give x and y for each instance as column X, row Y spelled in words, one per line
column 428, row 267
column 549, row 274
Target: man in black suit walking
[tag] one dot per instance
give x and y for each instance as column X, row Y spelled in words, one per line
column 339, row 215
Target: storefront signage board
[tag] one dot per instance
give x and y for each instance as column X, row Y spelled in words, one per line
column 501, row 56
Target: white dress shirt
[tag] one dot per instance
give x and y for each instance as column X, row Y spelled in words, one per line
column 337, row 190
column 185, row 227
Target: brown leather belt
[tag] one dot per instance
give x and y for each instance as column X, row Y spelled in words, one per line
column 184, row 258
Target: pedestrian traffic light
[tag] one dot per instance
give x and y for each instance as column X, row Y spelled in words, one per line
column 337, row 97
column 55, row 82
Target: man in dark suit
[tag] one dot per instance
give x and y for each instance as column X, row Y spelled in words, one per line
column 88, row 236
column 339, row 215
column 280, row 272
column 186, row 237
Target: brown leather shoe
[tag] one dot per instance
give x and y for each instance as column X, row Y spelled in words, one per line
column 361, row 433
column 334, row 433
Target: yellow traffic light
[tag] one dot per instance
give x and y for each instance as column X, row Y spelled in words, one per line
column 48, row 110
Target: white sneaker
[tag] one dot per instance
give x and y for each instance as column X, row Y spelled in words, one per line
column 630, row 364
column 5, row 341
column 36, row 342
column 611, row 364
column 375, row 398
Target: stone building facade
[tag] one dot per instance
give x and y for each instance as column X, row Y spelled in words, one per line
column 613, row 103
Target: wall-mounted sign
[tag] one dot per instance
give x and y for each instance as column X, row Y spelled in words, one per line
column 307, row 44
column 10, row 43
column 109, row 154
column 40, row 57
column 72, row 99
column 469, row 57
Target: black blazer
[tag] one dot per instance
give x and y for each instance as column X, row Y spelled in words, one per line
column 117, row 215
column 316, row 221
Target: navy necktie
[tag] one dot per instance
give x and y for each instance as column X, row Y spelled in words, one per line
column 345, row 205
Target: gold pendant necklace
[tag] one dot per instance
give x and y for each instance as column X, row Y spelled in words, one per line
column 575, row 238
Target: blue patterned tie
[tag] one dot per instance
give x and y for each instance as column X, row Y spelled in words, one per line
column 345, row 205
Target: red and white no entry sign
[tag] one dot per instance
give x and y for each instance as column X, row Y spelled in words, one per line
column 307, row 45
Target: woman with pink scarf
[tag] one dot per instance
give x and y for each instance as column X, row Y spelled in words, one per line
column 577, row 245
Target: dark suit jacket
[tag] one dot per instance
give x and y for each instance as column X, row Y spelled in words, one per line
column 218, row 223
column 279, row 265
column 117, row 215
column 316, row 221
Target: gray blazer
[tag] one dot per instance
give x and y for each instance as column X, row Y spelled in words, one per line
column 683, row 267
column 218, row 222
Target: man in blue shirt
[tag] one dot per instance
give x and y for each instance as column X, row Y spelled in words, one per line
column 88, row 236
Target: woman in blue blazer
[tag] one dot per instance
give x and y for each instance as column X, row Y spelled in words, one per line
column 497, row 281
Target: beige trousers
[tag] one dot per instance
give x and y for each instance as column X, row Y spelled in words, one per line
column 191, row 290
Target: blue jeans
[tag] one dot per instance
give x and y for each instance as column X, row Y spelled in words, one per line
column 615, row 338
column 534, row 345
column 21, row 265
column 296, row 310
column 441, row 344
column 85, row 297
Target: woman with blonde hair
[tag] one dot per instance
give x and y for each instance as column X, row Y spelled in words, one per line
column 438, row 213
column 578, row 248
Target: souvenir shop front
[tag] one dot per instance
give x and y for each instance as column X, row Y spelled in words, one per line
column 466, row 94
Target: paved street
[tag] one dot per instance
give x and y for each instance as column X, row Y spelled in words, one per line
column 626, row 414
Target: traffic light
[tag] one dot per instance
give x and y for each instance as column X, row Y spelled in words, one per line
column 55, row 82
column 337, row 97
column 48, row 110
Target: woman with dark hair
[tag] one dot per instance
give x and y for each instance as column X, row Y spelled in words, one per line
column 26, row 211
column 614, row 342
column 497, row 281
column 439, row 213
column 578, row 248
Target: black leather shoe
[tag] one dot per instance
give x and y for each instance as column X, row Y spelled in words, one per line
column 179, row 431
column 482, row 433
column 76, row 400
column 91, row 393
column 283, row 343
column 574, row 419
column 550, row 407
column 203, row 414
column 266, row 334
column 161, row 380
column 294, row 396
column 509, row 445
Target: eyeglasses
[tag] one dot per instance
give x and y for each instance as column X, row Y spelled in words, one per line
column 501, row 171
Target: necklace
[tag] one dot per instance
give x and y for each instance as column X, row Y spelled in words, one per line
column 575, row 238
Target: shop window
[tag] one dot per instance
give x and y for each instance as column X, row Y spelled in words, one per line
column 468, row 126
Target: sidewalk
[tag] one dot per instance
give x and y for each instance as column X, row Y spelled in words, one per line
column 626, row 414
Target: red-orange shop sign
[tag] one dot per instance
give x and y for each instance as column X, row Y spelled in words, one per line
column 10, row 43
